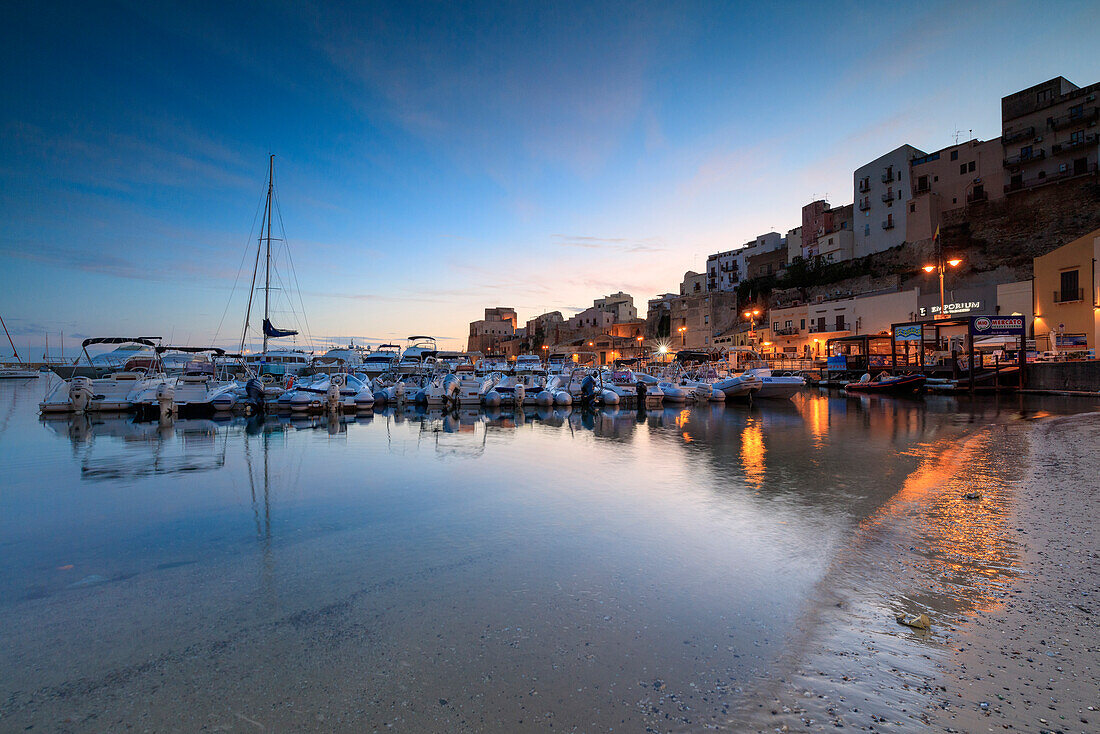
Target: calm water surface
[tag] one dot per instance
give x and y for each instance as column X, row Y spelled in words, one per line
column 417, row 571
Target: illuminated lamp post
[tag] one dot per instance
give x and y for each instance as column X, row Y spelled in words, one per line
column 751, row 316
column 940, row 266
column 683, row 335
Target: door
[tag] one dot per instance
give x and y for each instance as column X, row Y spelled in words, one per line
column 1080, row 166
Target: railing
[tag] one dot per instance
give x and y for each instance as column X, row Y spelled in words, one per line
column 864, row 186
column 1015, row 160
column 787, row 331
column 922, row 189
column 888, row 177
column 1070, row 172
column 888, row 197
column 1087, row 115
column 888, row 224
column 1027, row 132
column 976, row 196
column 1071, row 145
column 864, row 204
column 1069, row 296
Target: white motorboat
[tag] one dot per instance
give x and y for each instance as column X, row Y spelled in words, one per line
column 115, row 392
column 335, row 393
column 511, row 388
column 776, row 386
column 418, row 356
column 628, row 387
column 204, row 386
column 128, row 352
column 381, row 360
column 535, row 388
column 343, row 359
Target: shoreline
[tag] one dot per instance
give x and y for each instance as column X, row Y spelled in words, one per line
column 999, row 576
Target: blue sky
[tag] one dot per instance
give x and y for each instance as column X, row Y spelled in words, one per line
column 433, row 159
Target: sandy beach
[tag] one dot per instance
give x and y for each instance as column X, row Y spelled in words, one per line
column 1009, row 579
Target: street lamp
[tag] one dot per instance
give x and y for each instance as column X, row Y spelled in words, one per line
column 683, row 335
column 751, row 316
column 941, row 266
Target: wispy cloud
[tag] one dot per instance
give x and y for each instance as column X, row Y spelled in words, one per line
column 619, row 244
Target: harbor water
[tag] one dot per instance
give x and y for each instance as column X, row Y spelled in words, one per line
column 411, row 570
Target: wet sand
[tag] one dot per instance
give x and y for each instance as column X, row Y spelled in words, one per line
column 1011, row 581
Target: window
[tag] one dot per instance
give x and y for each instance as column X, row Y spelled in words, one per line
column 970, row 166
column 1076, row 110
column 912, row 208
column 821, row 323
column 775, row 326
column 840, row 322
column 1070, row 285
column 787, row 324
column 962, row 168
column 1077, row 136
column 1025, row 152
column 1043, row 96
column 954, row 155
column 802, row 324
column 706, row 319
column 867, row 230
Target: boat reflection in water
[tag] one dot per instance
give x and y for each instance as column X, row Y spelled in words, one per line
column 600, row 560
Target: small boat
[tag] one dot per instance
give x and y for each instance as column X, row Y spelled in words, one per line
column 885, row 384
column 381, row 360
column 776, row 386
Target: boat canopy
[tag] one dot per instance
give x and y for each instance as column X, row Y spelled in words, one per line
column 689, row 355
column 191, row 350
column 149, row 341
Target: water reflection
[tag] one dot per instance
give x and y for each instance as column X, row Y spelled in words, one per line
column 423, row 555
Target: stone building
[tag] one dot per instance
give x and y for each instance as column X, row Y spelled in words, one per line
column 954, row 177
column 881, row 190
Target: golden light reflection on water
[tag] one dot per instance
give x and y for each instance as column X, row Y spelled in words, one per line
column 752, row 452
column 968, row 555
column 815, row 411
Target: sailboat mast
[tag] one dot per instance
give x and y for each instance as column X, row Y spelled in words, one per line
column 267, row 271
column 13, row 349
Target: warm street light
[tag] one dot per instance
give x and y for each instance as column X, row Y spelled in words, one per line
column 683, row 335
column 751, row 316
column 941, row 265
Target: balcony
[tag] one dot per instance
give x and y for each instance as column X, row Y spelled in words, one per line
column 864, row 204
column 786, row 331
column 888, row 176
column 1069, row 296
column 864, row 186
column 1015, row 160
column 888, row 224
column 922, row 189
column 1071, row 145
column 1026, row 133
column 976, row 196
column 1087, row 115
column 888, row 197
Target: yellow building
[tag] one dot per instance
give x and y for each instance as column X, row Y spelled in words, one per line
column 1067, row 295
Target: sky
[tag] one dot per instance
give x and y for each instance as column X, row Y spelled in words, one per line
column 433, row 159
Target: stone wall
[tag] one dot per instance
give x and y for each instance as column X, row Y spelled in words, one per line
column 1079, row 376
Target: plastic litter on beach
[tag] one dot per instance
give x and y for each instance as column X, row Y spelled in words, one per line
column 920, row 622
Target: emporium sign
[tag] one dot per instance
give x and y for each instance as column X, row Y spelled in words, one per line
column 951, row 308
column 996, row 325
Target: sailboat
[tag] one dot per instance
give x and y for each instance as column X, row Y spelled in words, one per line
column 271, row 365
column 20, row 372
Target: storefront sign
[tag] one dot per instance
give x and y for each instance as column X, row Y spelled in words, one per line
column 996, row 325
column 839, row 362
column 952, row 308
column 908, row 333
column 1071, row 340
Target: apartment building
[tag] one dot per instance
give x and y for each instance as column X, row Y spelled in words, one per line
column 881, row 189
column 958, row 175
column 724, row 270
column 620, row 305
column 1049, row 132
column 1067, row 296
column 834, row 239
column 487, row 334
column 800, row 330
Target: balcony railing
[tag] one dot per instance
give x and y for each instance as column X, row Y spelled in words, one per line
column 888, row 177
column 976, row 196
column 864, row 204
column 1069, row 296
column 1087, row 115
column 786, row 331
column 1027, row 132
column 922, row 189
column 1071, row 145
column 864, row 186
column 1015, row 160
column 888, row 224
column 888, row 197
column 1069, row 172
